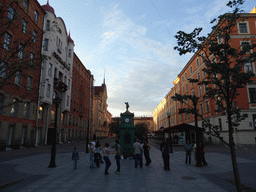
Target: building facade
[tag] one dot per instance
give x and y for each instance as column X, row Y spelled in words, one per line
column 245, row 133
column 20, row 61
column 56, row 76
column 100, row 116
column 80, row 116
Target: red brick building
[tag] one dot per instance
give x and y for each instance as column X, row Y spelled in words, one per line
column 243, row 33
column 81, row 101
column 20, row 59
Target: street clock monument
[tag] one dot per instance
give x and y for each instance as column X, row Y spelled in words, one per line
column 127, row 130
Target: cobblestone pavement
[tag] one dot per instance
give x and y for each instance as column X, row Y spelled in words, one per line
column 33, row 174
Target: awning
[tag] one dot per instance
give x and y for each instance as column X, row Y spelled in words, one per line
column 182, row 128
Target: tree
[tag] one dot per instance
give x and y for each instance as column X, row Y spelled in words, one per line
column 20, row 50
column 114, row 128
column 224, row 65
column 141, row 130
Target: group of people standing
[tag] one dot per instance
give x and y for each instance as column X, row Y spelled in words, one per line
column 140, row 147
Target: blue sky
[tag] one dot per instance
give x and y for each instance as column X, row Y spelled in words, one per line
column 133, row 40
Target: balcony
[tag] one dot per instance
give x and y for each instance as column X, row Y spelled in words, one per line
column 60, row 86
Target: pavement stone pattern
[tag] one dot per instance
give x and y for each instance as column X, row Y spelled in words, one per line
column 181, row 178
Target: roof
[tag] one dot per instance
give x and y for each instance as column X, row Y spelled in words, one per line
column 47, row 7
column 99, row 89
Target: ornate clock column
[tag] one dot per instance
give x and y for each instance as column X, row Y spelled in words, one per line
column 127, row 130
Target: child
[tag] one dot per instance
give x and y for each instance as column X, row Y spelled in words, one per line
column 75, row 157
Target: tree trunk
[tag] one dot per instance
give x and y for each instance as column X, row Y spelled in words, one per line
column 233, row 155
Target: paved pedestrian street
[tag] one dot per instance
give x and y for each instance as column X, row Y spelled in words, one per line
column 33, row 174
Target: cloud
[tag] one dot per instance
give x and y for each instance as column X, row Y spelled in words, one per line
column 139, row 70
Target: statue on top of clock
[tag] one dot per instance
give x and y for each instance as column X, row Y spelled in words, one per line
column 127, row 105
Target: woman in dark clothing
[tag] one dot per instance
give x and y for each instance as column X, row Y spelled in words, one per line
column 201, row 154
column 97, row 155
column 146, row 149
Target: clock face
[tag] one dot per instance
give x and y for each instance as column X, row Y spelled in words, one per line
column 127, row 120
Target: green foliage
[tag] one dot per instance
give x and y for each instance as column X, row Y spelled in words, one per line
column 114, row 128
column 141, row 130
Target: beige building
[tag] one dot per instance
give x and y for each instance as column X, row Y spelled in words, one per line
column 100, row 113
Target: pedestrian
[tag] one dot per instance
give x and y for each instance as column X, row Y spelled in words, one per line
column 117, row 156
column 97, row 155
column 188, row 149
column 75, row 157
column 202, row 153
column 146, row 149
column 106, row 153
column 92, row 151
column 137, row 152
column 141, row 156
column 166, row 156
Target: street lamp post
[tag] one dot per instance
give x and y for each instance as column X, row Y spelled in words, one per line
column 198, row 135
column 57, row 102
column 170, row 137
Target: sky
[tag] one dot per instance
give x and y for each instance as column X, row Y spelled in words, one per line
column 131, row 44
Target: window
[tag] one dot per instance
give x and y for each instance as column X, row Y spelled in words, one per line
column 26, row 110
column 50, row 69
column 36, row 16
column 34, row 36
column 32, row 56
column 186, row 76
column 7, row 41
column 242, row 27
column 69, row 83
column 197, row 62
column 25, row 4
column 193, row 92
column 220, row 38
column 245, row 46
column 14, row 108
column 48, row 25
column 48, row 91
column 191, row 71
column 183, row 90
column 252, row 94
column 2, row 70
column 203, row 57
column 186, row 87
column 198, row 76
column 207, row 107
column 248, row 67
column 69, row 53
column 67, row 100
column 46, row 42
column 201, row 109
column 182, row 79
column 11, row 13
column 24, row 26
column 204, row 73
column 17, row 78
column 29, row 83
column 200, row 90
column 52, row 115
column 21, row 50
column 220, row 124
column 40, row 113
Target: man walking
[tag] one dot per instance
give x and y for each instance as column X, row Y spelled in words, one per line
column 117, row 156
column 188, row 148
column 137, row 151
